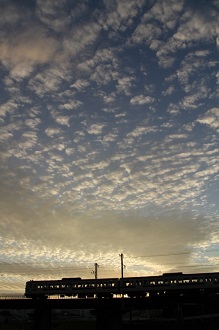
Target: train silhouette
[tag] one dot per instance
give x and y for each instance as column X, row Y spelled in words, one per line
column 133, row 287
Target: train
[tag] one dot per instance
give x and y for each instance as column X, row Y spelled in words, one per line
column 132, row 287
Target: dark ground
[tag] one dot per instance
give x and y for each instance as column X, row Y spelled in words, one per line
column 205, row 324
column 68, row 325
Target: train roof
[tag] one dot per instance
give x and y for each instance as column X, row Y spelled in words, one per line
column 71, row 279
column 173, row 274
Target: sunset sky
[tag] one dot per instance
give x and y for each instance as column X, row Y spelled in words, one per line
column 109, row 122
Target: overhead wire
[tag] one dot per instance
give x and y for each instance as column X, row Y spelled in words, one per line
column 161, row 255
column 29, row 269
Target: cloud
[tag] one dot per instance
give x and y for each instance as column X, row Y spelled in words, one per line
column 63, row 120
column 198, row 23
column 169, row 28
column 124, row 84
column 5, row 135
column 80, row 37
column 211, row 118
column 96, row 129
column 50, row 131
column 80, row 84
column 194, row 25
column 119, row 15
column 109, row 98
column 104, row 74
column 148, row 33
column 141, row 99
column 8, row 107
column 166, row 15
column 71, row 105
column 21, row 70
column 33, row 123
column 83, row 176
column 16, row 49
column 102, row 67
column 46, row 82
column 69, row 151
column 170, row 90
column 155, row 25
column 53, row 14
column 50, row 234
column 193, row 62
column 12, row 14
column 138, row 131
column 28, row 140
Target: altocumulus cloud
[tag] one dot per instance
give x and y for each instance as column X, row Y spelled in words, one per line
column 108, row 130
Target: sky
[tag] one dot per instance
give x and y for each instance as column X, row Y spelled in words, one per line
column 109, row 122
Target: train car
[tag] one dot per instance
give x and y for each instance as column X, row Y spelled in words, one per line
column 73, row 287
column 170, row 284
column 136, row 287
column 166, row 284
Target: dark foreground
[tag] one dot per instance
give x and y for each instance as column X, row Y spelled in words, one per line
column 210, row 323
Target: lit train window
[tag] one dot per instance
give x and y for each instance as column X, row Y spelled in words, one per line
column 186, row 281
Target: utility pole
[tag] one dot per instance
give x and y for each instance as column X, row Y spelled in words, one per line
column 95, row 273
column 122, row 266
column 95, row 270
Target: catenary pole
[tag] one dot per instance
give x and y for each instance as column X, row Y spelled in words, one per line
column 122, row 266
column 95, row 272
